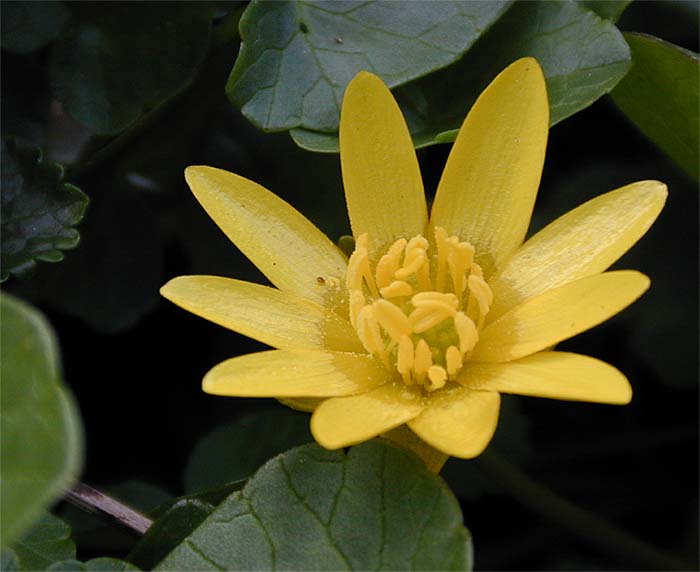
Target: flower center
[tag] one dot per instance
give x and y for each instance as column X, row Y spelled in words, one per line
column 417, row 312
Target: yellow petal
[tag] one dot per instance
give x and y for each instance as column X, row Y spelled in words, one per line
column 489, row 185
column 557, row 375
column 345, row 421
column 458, row 421
column 558, row 314
column 383, row 185
column 293, row 254
column 583, row 242
column 295, row 373
column 266, row 314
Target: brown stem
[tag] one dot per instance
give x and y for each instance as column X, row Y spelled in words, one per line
column 95, row 502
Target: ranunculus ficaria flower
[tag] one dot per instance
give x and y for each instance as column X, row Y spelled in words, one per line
column 432, row 317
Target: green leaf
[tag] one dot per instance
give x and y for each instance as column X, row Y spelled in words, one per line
column 35, row 408
column 608, row 9
column 178, row 522
column 94, row 565
column 661, row 96
column 39, row 210
column 297, row 57
column 29, row 26
column 47, row 542
column 376, row 507
column 235, row 451
column 120, row 60
column 583, row 57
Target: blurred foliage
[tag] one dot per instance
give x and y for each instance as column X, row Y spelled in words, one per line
column 35, row 408
column 116, row 99
column 39, row 210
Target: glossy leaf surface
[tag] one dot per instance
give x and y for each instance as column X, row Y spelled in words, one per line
column 297, row 57
column 376, row 507
column 582, row 55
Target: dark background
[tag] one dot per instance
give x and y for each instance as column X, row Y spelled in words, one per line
column 135, row 361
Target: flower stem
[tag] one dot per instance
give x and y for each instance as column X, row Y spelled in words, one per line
column 95, row 502
column 590, row 528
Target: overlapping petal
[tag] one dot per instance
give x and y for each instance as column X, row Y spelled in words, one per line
column 459, row 421
column 490, row 182
column 556, row 375
column 266, row 314
column 558, row 314
column 295, row 373
column 280, row 241
column 583, row 242
column 345, row 421
column 382, row 180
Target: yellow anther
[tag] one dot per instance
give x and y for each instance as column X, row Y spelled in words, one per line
column 453, row 361
column 392, row 319
column 359, row 268
column 441, row 242
column 422, row 360
column 422, row 319
column 435, row 300
column 466, row 331
column 396, row 288
column 482, row 293
column 404, row 359
column 390, row 263
column 437, row 376
column 400, row 304
column 458, row 261
column 357, row 302
column 412, row 265
column 368, row 331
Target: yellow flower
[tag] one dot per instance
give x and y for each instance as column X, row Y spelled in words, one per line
column 431, row 318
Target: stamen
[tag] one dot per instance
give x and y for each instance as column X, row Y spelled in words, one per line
column 441, row 242
column 392, row 319
column 466, row 331
column 357, row 302
column 453, row 361
column 422, row 319
column 425, row 325
column 423, row 360
column 389, row 264
column 437, row 377
column 483, row 295
column 368, row 331
column 396, row 288
column 405, row 360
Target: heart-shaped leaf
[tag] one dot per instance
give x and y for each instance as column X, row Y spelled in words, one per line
column 582, row 55
column 297, row 57
column 375, row 507
column 35, row 408
column 39, row 210
column 661, row 95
